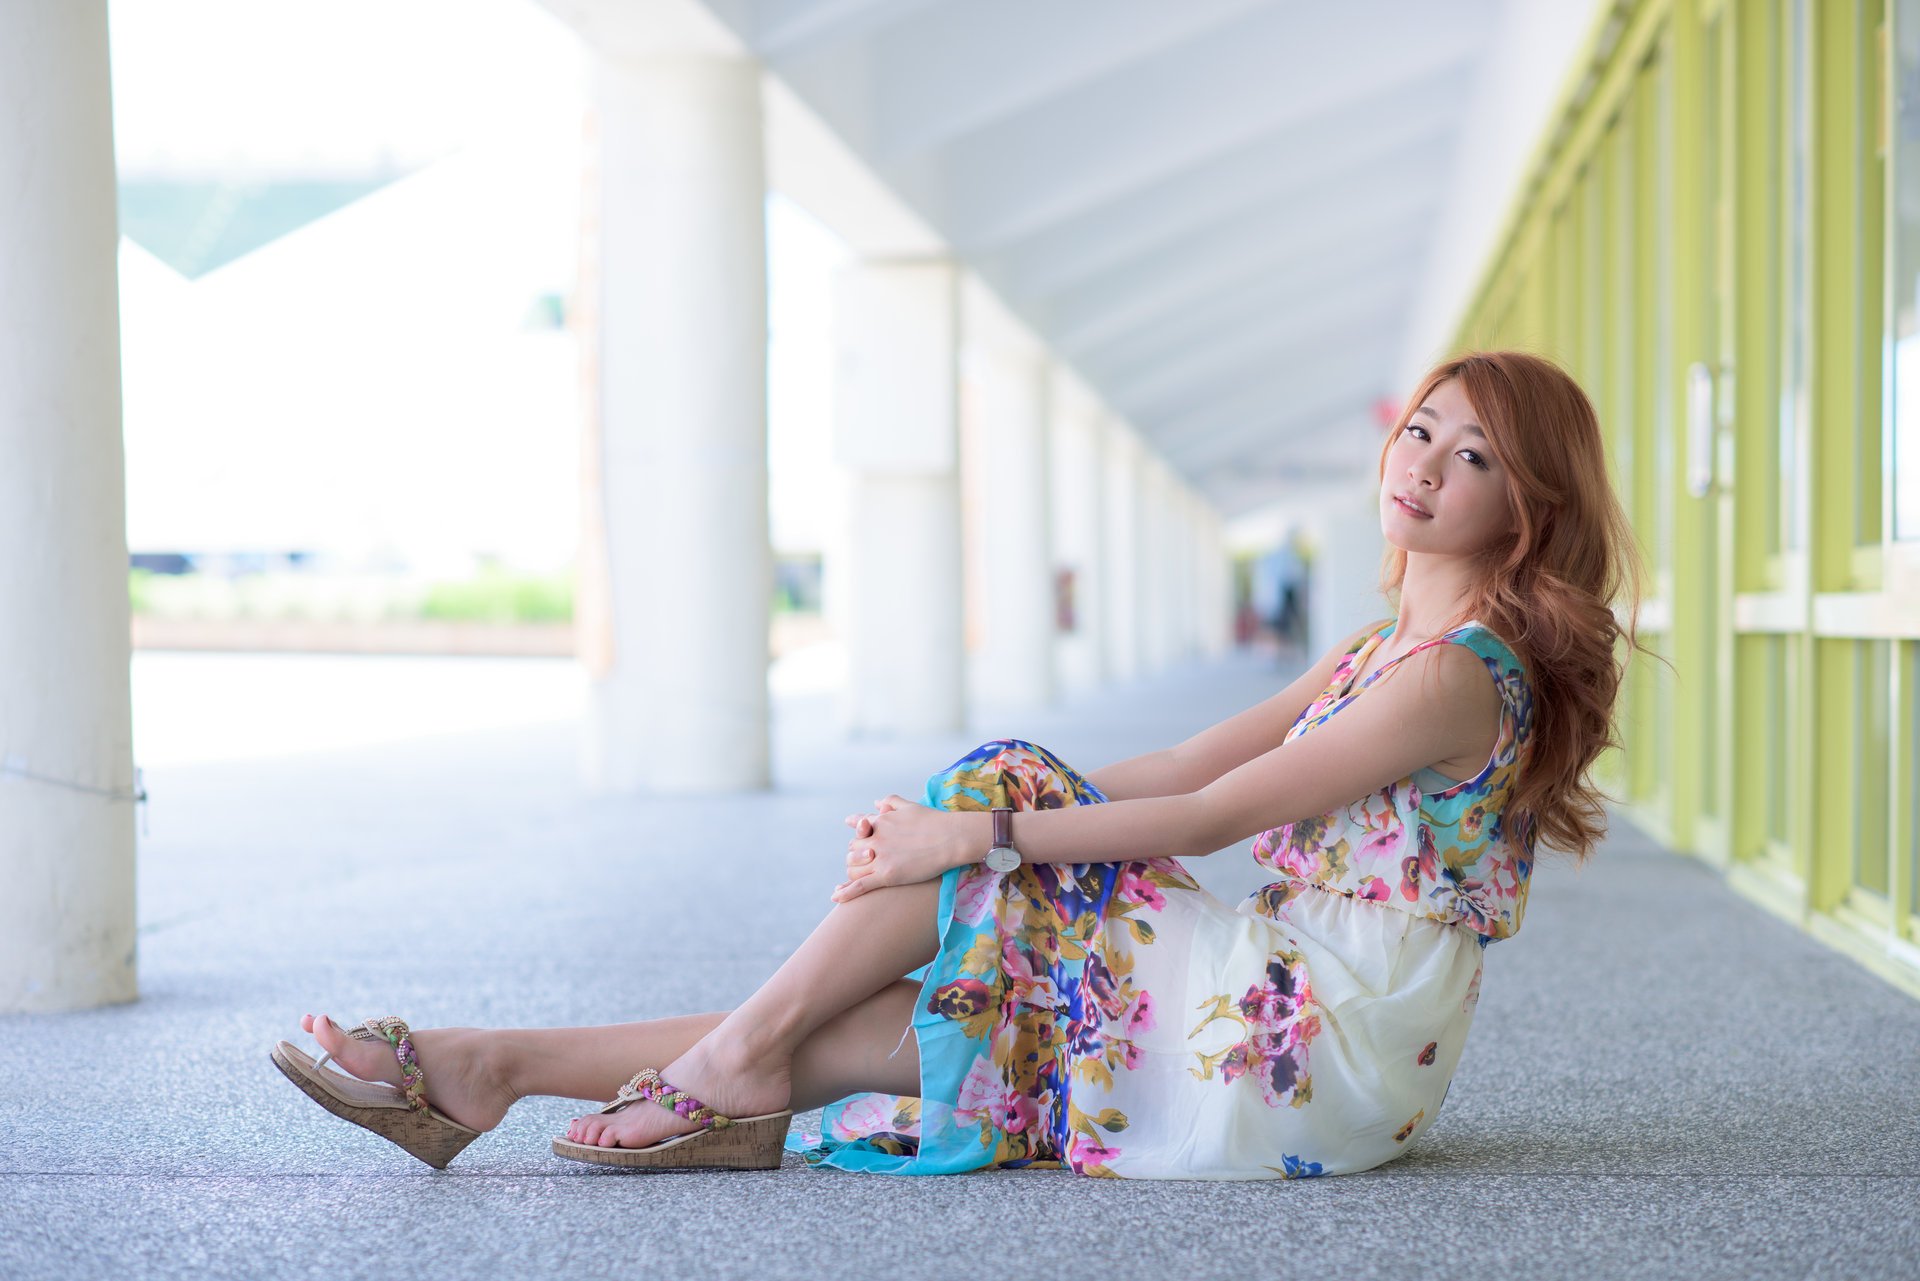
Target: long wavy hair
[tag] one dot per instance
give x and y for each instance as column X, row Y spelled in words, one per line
column 1551, row 588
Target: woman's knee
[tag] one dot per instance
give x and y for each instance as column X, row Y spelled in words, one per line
column 1013, row 772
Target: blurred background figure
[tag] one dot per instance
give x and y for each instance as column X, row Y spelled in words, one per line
column 1280, row 596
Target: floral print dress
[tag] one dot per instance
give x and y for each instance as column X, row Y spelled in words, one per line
column 1118, row 1020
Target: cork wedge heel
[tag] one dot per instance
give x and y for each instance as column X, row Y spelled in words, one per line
column 722, row 1142
column 403, row 1117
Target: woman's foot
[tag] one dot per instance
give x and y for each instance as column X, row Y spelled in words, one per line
column 461, row 1080
column 720, row 1071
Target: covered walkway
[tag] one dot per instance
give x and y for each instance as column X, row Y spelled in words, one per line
column 1662, row 1080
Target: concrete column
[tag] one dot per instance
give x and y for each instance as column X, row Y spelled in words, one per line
column 1212, row 574
column 66, row 724
column 1186, row 583
column 677, row 570
column 1156, row 613
column 1006, row 505
column 1078, row 532
column 896, row 430
column 1121, row 582
column 1345, row 580
column 1179, row 579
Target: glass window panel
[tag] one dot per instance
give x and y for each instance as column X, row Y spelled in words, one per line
column 1663, row 380
column 1794, row 380
column 1779, row 690
column 1593, row 308
column 1625, row 301
column 1767, row 381
column 1913, row 782
column 1869, row 263
column 1904, row 244
column 1872, row 697
column 1708, row 273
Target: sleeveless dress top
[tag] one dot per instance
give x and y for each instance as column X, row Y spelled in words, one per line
column 1428, row 845
column 1118, row 1020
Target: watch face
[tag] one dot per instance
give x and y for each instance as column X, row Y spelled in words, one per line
column 1003, row 858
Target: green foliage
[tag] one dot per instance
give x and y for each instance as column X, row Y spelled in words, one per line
column 498, row 596
column 493, row 596
column 140, row 590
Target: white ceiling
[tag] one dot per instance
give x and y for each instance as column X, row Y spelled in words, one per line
column 1231, row 217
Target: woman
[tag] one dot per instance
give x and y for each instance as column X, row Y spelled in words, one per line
column 1091, row 1006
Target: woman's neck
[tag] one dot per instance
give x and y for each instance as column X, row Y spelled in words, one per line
column 1433, row 593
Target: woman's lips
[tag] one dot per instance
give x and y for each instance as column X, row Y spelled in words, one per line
column 1402, row 504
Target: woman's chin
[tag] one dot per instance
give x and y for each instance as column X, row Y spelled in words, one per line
column 1397, row 534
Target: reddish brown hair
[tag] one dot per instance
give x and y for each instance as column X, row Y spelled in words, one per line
column 1550, row 589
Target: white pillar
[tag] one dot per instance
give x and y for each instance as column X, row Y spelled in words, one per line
column 1077, row 475
column 1344, row 591
column 1121, row 581
column 66, row 737
column 1156, row 607
column 1006, row 502
column 896, row 430
column 1185, row 584
column 677, row 570
column 1210, row 573
column 1179, row 607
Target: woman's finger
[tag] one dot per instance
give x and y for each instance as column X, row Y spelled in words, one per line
column 851, row 890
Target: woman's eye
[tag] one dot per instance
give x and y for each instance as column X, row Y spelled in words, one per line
column 1421, row 430
column 1475, row 459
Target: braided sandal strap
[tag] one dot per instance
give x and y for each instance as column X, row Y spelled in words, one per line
column 646, row 1084
column 397, row 1034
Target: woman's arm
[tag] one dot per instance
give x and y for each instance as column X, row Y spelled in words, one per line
column 1436, row 705
column 1176, row 771
column 1233, row 774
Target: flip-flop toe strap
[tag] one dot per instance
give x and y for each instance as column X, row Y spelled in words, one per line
column 396, row 1033
column 646, row 1084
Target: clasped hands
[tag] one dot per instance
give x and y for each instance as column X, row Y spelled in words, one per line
column 902, row 843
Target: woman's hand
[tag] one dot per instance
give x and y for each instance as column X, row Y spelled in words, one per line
column 903, row 843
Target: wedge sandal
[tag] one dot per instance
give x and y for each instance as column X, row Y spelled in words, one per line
column 401, row 1116
column 722, row 1142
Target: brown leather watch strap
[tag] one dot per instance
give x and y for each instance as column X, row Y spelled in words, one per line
column 1003, row 827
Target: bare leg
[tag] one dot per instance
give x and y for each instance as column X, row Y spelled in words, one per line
column 821, row 1028
column 745, row 1065
column 845, row 1055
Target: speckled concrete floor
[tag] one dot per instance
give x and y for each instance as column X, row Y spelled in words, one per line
column 1661, row 1079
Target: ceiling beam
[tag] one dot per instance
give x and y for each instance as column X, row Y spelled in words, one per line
column 1207, row 97
column 1358, row 313
column 1259, row 414
column 1393, row 131
column 1040, row 53
column 789, row 28
column 1259, row 242
column 1261, row 301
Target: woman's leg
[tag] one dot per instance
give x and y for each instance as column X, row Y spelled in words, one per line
column 813, row 1033
column 847, row 1054
column 745, row 1065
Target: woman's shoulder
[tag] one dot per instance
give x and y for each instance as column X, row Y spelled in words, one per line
column 1484, row 641
column 1356, row 639
column 1505, row 666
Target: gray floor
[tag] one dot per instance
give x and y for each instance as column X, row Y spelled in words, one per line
column 1661, row 1080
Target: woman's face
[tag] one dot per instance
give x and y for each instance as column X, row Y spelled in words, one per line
column 1442, row 462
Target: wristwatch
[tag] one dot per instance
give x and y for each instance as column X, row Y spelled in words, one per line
column 1001, row 856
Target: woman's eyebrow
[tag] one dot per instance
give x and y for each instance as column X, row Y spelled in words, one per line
column 1472, row 427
